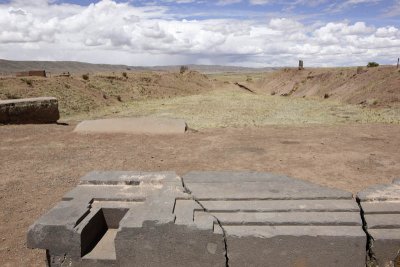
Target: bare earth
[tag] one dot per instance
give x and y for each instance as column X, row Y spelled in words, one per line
column 40, row 163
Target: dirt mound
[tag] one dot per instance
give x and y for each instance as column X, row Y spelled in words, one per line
column 80, row 93
column 378, row 86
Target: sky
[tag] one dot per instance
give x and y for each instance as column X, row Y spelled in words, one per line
column 252, row 33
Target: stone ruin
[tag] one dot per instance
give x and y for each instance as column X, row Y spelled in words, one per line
column 37, row 73
column 216, row 219
column 29, row 110
column 381, row 212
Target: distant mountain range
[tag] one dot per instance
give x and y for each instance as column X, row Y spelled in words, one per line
column 8, row 67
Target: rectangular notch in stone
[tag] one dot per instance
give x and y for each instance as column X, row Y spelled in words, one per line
column 97, row 237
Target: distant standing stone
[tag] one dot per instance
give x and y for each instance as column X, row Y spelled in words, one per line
column 301, row 65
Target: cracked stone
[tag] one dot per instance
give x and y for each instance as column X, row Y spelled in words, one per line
column 203, row 219
column 381, row 212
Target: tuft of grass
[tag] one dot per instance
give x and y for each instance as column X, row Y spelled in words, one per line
column 233, row 108
column 183, row 69
column 85, row 77
column 27, row 81
column 11, row 96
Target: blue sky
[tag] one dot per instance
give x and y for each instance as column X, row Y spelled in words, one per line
column 232, row 32
column 374, row 11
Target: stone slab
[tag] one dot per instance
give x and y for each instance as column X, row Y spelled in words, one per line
column 292, row 250
column 143, row 125
column 110, row 215
column 340, row 205
column 287, row 218
column 396, row 181
column 381, row 207
column 256, row 186
column 29, row 110
column 274, row 220
column 381, row 211
column 208, row 219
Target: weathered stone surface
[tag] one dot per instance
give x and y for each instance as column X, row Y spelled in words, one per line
column 381, row 209
column 272, row 220
column 143, row 125
column 126, row 219
column 29, row 110
column 204, row 219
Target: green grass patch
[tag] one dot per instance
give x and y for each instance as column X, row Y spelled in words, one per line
column 234, row 108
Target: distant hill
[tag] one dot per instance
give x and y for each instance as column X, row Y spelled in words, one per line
column 56, row 67
column 8, row 67
column 207, row 69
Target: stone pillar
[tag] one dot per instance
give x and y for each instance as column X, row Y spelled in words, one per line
column 301, row 65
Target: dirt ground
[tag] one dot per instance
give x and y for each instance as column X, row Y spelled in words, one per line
column 375, row 87
column 40, row 163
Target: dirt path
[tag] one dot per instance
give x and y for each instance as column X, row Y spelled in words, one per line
column 40, row 163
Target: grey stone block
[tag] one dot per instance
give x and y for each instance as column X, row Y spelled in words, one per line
column 206, row 219
column 381, row 211
column 272, row 220
column 127, row 219
column 256, row 186
column 29, row 110
column 396, row 181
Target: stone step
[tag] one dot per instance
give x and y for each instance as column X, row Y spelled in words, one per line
column 286, row 218
column 381, row 208
column 281, row 205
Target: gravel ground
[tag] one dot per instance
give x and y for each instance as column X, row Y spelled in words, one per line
column 40, row 163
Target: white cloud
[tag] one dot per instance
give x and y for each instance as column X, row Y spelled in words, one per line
column 110, row 32
column 394, row 10
column 227, row 2
column 259, row 2
column 337, row 7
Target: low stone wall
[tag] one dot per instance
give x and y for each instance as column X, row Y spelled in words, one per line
column 29, row 110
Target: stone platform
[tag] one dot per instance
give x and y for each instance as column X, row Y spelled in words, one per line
column 29, row 110
column 201, row 219
column 142, row 125
column 381, row 209
column 272, row 220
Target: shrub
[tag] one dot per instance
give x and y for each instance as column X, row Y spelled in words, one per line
column 11, row 96
column 184, row 69
column 372, row 64
column 125, row 75
column 27, row 81
column 85, row 77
